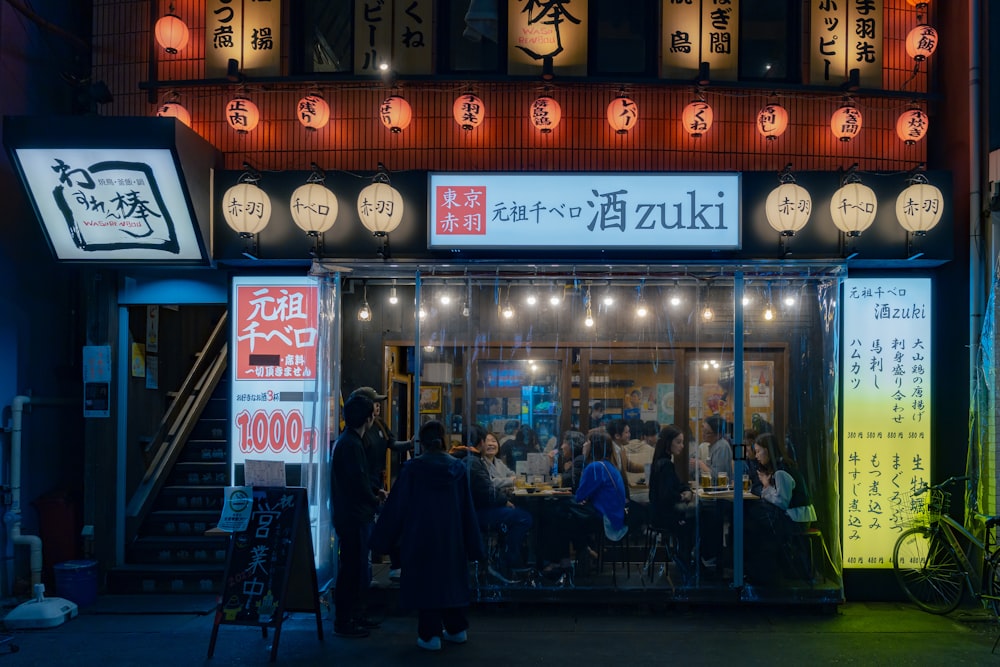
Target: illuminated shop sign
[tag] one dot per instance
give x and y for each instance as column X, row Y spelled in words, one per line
column 844, row 36
column 886, row 378
column 274, row 369
column 246, row 31
column 697, row 32
column 584, row 210
column 547, row 30
column 111, row 204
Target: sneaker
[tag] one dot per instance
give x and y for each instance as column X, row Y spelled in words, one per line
column 350, row 631
column 457, row 638
column 709, row 562
column 432, row 644
column 366, row 623
column 394, row 574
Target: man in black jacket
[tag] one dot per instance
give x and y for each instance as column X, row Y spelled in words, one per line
column 354, row 507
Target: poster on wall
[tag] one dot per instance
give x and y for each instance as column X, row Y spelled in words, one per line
column 886, row 379
column 540, row 31
column 97, row 381
column 274, row 369
column 665, row 403
column 845, row 36
column 246, row 31
column 700, row 31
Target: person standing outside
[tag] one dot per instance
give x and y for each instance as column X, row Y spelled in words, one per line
column 430, row 514
column 379, row 440
column 354, row 508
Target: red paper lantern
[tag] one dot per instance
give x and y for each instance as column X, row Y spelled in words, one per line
column 846, row 122
column 545, row 114
column 772, row 121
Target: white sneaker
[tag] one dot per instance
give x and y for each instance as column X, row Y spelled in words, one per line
column 432, row 644
column 457, row 638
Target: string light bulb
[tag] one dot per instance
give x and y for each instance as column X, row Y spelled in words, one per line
column 508, row 311
column 708, row 314
column 769, row 312
column 393, row 297
column 365, row 313
column 675, row 296
column 589, row 319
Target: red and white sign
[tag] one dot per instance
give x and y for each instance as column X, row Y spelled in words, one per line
column 274, row 370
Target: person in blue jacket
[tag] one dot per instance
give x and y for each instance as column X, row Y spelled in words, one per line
column 602, row 488
column 429, row 513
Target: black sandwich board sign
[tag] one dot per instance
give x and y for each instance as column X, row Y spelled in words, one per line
column 270, row 569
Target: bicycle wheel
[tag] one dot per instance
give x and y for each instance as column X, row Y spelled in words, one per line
column 928, row 570
column 992, row 582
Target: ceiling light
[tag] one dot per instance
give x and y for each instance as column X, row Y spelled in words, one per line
column 393, row 297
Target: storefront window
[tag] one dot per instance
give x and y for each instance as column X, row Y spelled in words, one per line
column 553, row 366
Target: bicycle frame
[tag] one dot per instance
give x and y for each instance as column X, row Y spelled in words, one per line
column 948, row 527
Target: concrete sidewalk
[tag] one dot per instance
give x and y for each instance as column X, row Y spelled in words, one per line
column 175, row 630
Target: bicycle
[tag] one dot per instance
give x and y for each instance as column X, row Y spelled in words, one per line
column 931, row 563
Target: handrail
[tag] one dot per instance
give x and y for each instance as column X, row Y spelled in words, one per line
column 177, row 423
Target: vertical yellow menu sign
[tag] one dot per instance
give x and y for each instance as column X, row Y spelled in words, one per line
column 886, row 380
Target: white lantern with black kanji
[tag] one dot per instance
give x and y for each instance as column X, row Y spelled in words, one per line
column 788, row 208
column 772, row 121
column 246, row 208
column 853, row 208
column 921, row 42
column 468, row 111
column 242, row 114
column 545, row 114
column 313, row 112
column 380, row 207
column 395, row 113
column 919, row 207
column 846, row 122
column 697, row 118
column 314, row 208
column 622, row 114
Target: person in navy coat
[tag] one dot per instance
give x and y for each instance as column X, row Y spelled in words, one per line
column 429, row 512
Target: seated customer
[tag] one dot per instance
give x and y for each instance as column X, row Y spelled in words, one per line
column 636, row 455
column 569, row 459
column 501, row 476
column 493, row 508
column 671, row 502
column 517, row 449
column 719, row 457
column 785, row 510
column 602, row 489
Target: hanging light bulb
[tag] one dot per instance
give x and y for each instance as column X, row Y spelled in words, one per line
column 789, row 300
column 465, row 309
column 508, row 311
column 707, row 314
column 421, row 313
column 555, row 299
column 393, row 297
column 365, row 313
column 608, row 299
column 532, row 298
column 445, row 299
column 588, row 321
column 641, row 310
column 769, row 312
column 746, row 300
column 675, row 295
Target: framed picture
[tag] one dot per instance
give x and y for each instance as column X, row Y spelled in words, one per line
column 430, row 399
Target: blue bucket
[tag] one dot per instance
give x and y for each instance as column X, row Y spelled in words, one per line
column 76, row 580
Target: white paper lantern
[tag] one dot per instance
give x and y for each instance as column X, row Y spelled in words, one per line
column 921, row 42
column 313, row 112
column 846, row 122
column 772, row 121
column 919, row 208
column 622, row 114
column 314, row 208
column 468, row 111
column 380, row 207
column 788, row 208
column 242, row 114
column 853, row 208
column 545, row 114
column 246, row 208
column 171, row 33
column 911, row 126
column 174, row 110
column 395, row 113
column 697, row 118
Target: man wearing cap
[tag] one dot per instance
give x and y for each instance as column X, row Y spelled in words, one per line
column 354, row 506
column 378, row 440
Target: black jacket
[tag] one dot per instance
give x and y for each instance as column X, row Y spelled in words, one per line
column 354, row 501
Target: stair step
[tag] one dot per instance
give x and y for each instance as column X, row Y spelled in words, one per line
column 185, row 497
column 199, row 474
column 177, row 550
column 210, row 429
column 204, row 451
column 179, row 523
column 134, row 579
